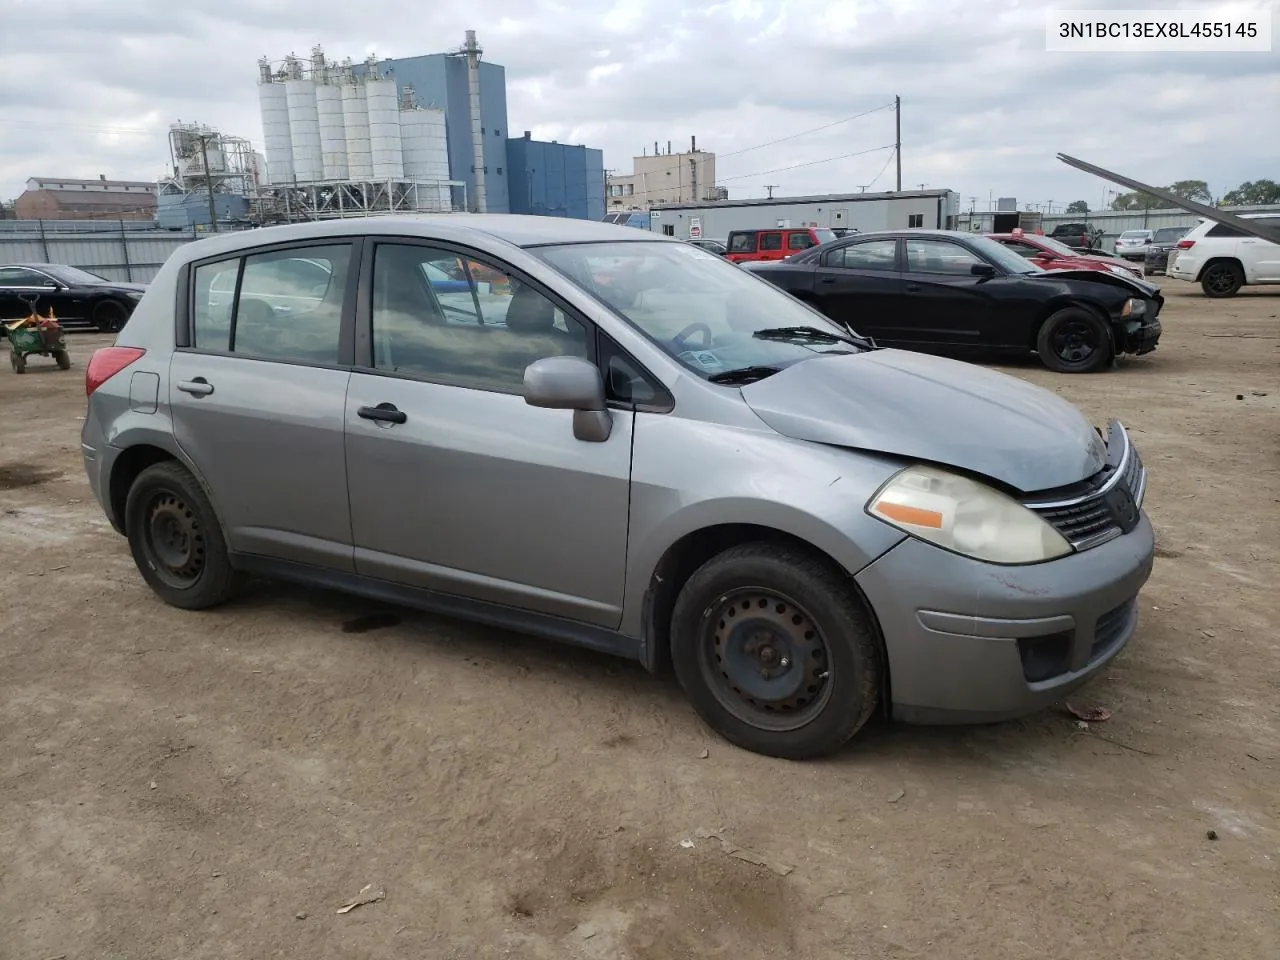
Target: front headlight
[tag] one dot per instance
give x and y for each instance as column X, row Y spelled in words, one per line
column 965, row 516
column 1133, row 307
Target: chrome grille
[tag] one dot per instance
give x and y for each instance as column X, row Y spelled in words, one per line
column 1089, row 518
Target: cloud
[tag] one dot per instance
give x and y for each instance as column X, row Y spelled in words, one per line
column 93, row 87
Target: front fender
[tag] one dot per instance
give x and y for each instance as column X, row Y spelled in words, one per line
column 689, row 476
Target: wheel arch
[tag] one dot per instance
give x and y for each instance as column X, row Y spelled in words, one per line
column 695, row 548
column 1062, row 303
column 135, row 457
column 1213, row 261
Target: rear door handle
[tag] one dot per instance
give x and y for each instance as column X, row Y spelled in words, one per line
column 914, row 286
column 198, row 387
column 826, row 279
column 383, row 413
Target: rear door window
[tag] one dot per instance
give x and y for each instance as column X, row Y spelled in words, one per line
column 771, row 241
column 280, row 305
column 868, row 255
column 799, row 240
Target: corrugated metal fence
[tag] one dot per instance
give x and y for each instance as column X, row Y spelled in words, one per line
column 118, row 249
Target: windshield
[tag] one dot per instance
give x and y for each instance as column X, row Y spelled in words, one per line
column 75, row 275
column 1057, row 246
column 1003, row 257
column 710, row 315
column 1135, row 234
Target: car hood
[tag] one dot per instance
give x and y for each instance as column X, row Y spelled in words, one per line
column 933, row 409
column 1128, row 281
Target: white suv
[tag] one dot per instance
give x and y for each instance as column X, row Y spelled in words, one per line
column 1222, row 259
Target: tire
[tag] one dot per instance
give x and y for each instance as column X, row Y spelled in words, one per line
column 63, row 359
column 810, row 656
column 176, row 540
column 18, row 362
column 109, row 317
column 1222, row 279
column 1074, row 340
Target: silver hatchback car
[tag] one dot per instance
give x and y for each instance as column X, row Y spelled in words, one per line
column 591, row 433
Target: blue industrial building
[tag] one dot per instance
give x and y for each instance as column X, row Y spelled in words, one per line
column 521, row 175
column 555, row 179
column 440, row 80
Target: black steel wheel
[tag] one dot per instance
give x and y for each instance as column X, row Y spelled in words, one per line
column 175, row 538
column 109, row 316
column 1074, row 340
column 765, row 660
column 1222, row 279
column 775, row 650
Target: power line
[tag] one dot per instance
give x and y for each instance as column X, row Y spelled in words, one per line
column 887, row 160
column 807, row 163
column 804, row 133
column 79, row 126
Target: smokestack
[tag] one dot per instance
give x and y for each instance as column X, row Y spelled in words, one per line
column 473, row 52
column 693, row 144
column 656, row 151
column 668, row 148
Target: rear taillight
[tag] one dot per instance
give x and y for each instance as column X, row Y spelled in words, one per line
column 106, row 363
column 1186, row 244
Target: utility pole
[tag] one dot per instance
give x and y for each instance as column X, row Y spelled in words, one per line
column 897, row 137
column 208, row 179
column 769, row 187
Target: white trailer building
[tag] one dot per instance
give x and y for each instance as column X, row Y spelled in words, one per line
column 935, row 209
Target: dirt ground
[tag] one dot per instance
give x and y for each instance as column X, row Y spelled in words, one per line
column 217, row 785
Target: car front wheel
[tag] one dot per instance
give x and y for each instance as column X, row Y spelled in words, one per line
column 175, row 538
column 776, row 651
column 1222, row 279
column 1074, row 340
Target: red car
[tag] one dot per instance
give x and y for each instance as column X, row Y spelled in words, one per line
column 1053, row 254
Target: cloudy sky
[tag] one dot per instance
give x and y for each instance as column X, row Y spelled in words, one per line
column 90, row 86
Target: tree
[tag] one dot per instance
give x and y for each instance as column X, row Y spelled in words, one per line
column 1253, row 192
column 1136, row 201
column 1191, row 190
column 1078, row 206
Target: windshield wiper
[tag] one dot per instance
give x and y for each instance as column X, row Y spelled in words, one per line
column 812, row 333
column 743, row 375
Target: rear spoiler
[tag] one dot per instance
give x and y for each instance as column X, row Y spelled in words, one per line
column 1252, row 227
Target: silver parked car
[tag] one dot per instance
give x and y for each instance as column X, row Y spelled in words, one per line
column 592, row 433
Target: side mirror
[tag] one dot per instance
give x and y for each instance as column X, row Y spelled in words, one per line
column 570, row 383
column 982, row 270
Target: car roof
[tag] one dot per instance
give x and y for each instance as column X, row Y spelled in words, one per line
column 34, row 266
column 518, row 229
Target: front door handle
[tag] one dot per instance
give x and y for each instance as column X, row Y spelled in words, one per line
column 383, row 413
column 199, row 387
column 826, row 279
column 914, row 287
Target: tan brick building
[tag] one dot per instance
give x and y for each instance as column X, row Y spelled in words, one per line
column 54, row 198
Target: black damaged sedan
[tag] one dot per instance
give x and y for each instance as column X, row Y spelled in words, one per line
column 946, row 291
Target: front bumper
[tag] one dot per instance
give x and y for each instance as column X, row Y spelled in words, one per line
column 969, row 641
column 1138, row 336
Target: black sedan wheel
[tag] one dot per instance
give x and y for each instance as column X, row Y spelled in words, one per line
column 775, row 651
column 1074, row 340
column 1222, row 279
column 175, row 538
column 109, row 316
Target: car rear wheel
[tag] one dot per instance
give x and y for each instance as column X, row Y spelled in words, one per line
column 1222, row 279
column 1074, row 340
column 175, row 538
column 109, row 317
column 776, row 651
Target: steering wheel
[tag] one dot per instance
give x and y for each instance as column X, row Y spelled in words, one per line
column 679, row 339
